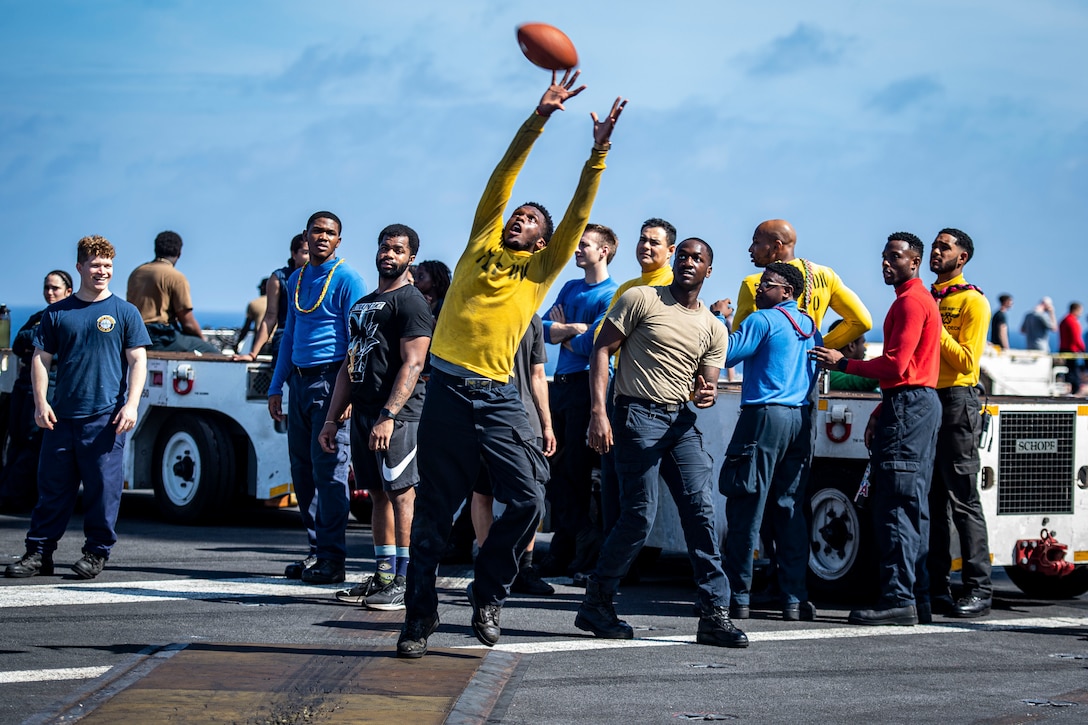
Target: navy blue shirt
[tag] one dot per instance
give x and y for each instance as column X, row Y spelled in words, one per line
column 88, row 342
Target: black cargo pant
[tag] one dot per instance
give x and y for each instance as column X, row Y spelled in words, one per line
column 954, row 499
column 465, row 421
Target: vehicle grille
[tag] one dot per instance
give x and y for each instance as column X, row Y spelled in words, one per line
column 1038, row 482
column 257, row 382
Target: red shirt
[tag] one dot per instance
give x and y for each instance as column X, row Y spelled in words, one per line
column 1069, row 335
column 912, row 341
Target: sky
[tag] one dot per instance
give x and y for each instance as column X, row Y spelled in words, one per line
column 230, row 122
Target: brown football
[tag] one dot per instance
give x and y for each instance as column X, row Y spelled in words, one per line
column 547, row 46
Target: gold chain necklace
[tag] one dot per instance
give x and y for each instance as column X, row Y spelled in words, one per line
column 298, row 285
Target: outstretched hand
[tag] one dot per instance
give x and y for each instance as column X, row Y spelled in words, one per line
column 602, row 130
column 557, row 92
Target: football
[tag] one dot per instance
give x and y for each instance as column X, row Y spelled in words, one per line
column 547, row 46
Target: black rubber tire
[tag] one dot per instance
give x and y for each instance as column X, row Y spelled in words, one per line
column 842, row 564
column 1041, row 586
column 197, row 484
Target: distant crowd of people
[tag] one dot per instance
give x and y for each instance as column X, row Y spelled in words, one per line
column 432, row 388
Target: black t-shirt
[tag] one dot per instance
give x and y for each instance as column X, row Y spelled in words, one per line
column 377, row 323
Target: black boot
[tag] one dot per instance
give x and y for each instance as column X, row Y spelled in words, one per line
column 717, row 630
column 597, row 615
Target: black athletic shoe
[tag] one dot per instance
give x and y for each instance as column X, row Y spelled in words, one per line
column 358, row 593
column 89, row 566
column 389, row 598
column 413, row 638
column 32, row 564
column 294, row 569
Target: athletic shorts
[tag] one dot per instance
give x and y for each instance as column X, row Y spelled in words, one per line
column 392, row 470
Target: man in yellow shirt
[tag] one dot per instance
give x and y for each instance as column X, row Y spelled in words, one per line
column 965, row 314
column 774, row 241
column 472, row 407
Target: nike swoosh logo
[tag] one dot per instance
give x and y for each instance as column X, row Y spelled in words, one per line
column 392, row 474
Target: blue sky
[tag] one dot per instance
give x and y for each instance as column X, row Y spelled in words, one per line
column 230, row 122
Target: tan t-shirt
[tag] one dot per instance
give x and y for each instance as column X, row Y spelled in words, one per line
column 256, row 308
column 159, row 292
column 666, row 344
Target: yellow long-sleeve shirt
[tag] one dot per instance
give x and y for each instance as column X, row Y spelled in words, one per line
column 495, row 290
column 824, row 289
column 966, row 316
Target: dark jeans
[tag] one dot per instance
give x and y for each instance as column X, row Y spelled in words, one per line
column 79, row 449
column 570, row 489
column 460, row 424
column 651, row 443
column 320, row 479
column 955, row 494
column 767, row 458
column 903, row 447
column 610, row 486
column 170, row 339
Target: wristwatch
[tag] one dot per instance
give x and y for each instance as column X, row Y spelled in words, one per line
column 389, row 414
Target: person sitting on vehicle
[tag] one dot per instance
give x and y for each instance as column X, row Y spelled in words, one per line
column 255, row 312
column 853, row 350
column 161, row 294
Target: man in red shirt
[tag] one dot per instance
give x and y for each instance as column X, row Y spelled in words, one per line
column 901, row 435
column 1071, row 339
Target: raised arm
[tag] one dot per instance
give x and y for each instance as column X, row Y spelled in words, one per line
column 569, row 231
column 496, row 194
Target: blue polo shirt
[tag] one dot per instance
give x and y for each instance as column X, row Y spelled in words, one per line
column 584, row 303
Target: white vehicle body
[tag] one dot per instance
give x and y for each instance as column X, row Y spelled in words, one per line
column 204, row 435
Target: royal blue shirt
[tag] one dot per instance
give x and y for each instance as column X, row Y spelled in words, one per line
column 88, row 341
column 585, row 303
column 321, row 336
column 777, row 367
